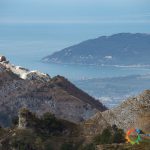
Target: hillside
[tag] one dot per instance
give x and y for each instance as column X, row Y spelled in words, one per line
column 31, row 132
column 40, row 93
column 111, row 91
column 118, row 49
column 132, row 113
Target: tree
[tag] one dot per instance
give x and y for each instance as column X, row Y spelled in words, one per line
column 67, row 146
column 104, row 138
column 119, row 136
column 15, row 121
column 90, row 146
column 97, row 139
column 23, row 140
column 51, row 124
column 39, row 144
column 48, row 145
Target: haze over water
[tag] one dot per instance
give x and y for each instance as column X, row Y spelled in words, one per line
column 26, row 44
column 33, row 29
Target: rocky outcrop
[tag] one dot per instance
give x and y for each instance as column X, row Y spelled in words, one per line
column 132, row 113
column 24, row 119
column 2, row 58
column 36, row 75
column 40, row 93
column 26, row 74
column 94, row 126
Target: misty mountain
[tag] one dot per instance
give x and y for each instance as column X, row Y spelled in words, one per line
column 117, row 49
column 112, row 91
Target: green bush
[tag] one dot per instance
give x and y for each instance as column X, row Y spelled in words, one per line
column 104, row 138
column 90, row 146
column 97, row 139
column 108, row 136
column 67, row 146
column 23, row 140
column 119, row 136
column 48, row 145
column 39, row 144
column 15, row 121
column 50, row 124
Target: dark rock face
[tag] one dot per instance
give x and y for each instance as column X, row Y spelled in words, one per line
column 2, row 58
column 118, row 49
column 43, row 94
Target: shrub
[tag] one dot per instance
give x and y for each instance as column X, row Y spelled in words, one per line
column 90, row 146
column 23, row 140
column 39, row 144
column 15, row 121
column 119, row 136
column 67, row 146
column 104, row 138
column 51, row 124
column 48, row 145
column 108, row 136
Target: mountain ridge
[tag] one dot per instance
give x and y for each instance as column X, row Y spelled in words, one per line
column 40, row 93
column 118, row 49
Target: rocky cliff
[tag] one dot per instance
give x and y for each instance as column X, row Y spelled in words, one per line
column 40, row 93
column 132, row 113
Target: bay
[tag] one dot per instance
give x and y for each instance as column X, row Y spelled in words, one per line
column 26, row 44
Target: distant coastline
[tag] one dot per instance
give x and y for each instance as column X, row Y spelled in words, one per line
column 118, row 50
column 101, row 65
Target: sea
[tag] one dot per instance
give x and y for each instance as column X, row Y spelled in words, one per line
column 26, row 44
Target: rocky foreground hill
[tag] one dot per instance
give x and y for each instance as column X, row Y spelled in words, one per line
column 78, row 121
column 40, row 93
column 132, row 113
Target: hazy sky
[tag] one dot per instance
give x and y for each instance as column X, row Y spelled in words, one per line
column 75, row 11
